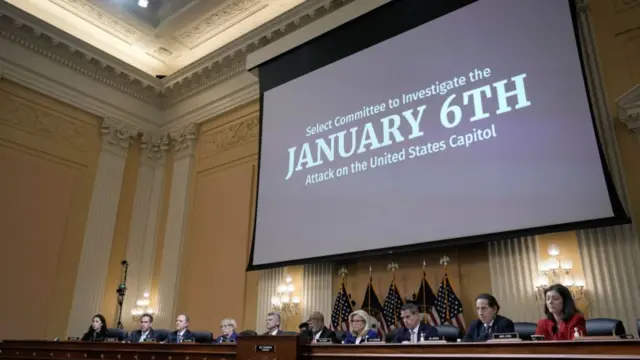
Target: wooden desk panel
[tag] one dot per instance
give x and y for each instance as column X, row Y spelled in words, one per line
column 75, row 350
column 594, row 349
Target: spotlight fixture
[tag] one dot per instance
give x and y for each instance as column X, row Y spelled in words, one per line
column 143, row 3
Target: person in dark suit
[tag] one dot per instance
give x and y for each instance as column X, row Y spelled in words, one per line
column 228, row 328
column 97, row 331
column 488, row 321
column 182, row 332
column 273, row 324
column 413, row 329
column 562, row 319
column 146, row 332
column 315, row 329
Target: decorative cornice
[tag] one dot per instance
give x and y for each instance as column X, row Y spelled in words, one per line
column 68, row 55
column 37, row 36
column 629, row 108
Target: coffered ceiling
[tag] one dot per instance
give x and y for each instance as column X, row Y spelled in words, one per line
column 165, row 36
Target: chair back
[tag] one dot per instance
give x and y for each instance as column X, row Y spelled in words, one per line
column 161, row 334
column 116, row 333
column 449, row 332
column 202, row 337
column 390, row 335
column 604, row 327
column 525, row 329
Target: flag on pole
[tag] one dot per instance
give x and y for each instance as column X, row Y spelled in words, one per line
column 341, row 309
column 426, row 301
column 372, row 305
column 448, row 305
column 392, row 305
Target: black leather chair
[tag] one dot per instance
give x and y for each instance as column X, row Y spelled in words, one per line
column 289, row 333
column 116, row 333
column 604, row 327
column 390, row 335
column 247, row 333
column 340, row 335
column 161, row 334
column 202, row 337
column 449, row 332
column 525, row 329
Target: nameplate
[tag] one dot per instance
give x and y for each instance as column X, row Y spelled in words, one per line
column 265, row 348
column 187, row 341
column 433, row 341
column 374, row 340
column 149, row 340
column 626, row 337
column 227, row 340
column 323, row 341
column 111, row 339
column 537, row 337
column 73, row 338
column 504, row 336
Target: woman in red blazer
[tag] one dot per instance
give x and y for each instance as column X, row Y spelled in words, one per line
column 562, row 317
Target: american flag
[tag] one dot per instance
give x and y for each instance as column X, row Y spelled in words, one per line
column 392, row 304
column 341, row 310
column 448, row 305
column 372, row 305
column 426, row 301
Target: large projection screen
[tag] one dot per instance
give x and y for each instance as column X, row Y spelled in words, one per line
column 472, row 125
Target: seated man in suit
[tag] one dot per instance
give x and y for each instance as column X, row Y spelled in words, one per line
column 273, row 324
column 488, row 321
column 316, row 329
column 146, row 331
column 182, row 332
column 413, row 329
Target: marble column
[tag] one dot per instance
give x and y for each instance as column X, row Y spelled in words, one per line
column 147, row 204
column 184, row 144
column 98, row 237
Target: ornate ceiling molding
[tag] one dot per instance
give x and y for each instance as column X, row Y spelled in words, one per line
column 629, row 109
column 31, row 33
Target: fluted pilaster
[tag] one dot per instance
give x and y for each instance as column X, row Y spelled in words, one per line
column 610, row 255
column 317, row 290
column 96, row 248
column 267, row 285
column 513, row 264
column 141, row 246
column 184, row 146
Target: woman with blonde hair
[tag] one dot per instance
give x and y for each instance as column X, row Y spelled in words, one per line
column 228, row 329
column 359, row 328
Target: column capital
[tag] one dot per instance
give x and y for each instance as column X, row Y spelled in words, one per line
column 117, row 135
column 582, row 5
column 629, row 109
column 155, row 146
column 184, row 139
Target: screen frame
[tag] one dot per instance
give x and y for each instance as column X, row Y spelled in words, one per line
column 301, row 51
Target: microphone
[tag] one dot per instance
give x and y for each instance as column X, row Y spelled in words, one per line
column 554, row 329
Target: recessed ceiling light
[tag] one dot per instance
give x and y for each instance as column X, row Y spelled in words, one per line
column 143, row 3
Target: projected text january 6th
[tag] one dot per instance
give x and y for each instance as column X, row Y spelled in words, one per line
column 386, row 131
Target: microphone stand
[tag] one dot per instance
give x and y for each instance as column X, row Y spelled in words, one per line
column 121, row 291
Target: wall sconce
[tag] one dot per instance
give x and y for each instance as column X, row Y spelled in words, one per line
column 557, row 271
column 284, row 303
column 142, row 307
